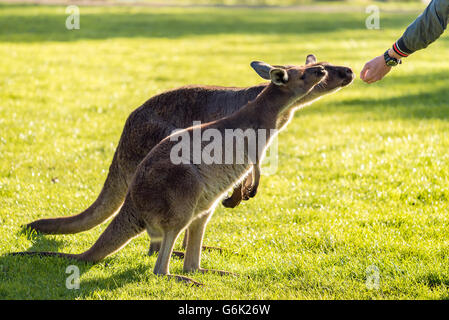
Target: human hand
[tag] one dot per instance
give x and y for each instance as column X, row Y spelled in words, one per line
column 374, row 70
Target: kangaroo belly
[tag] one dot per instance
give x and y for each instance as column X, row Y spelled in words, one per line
column 217, row 179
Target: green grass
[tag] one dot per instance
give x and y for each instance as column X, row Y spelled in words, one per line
column 362, row 178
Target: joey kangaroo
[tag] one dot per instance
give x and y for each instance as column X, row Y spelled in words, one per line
column 166, row 198
column 177, row 109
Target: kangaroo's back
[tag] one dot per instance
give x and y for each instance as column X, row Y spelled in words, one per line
column 176, row 109
column 181, row 106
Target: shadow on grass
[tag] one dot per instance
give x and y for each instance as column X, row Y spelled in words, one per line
column 45, row 277
column 36, row 277
column 41, row 243
column 118, row 280
column 153, row 24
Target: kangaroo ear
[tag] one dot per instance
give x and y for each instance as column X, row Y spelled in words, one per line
column 278, row 76
column 310, row 59
column 262, row 69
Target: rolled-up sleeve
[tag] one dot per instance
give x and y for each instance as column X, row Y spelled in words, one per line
column 425, row 29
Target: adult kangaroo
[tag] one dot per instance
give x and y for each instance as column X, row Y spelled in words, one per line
column 165, row 198
column 158, row 117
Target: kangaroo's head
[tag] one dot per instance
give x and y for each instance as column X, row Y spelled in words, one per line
column 336, row 77
column 296, row 80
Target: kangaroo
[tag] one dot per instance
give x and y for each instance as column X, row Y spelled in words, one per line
column 158, row 117
column 165, row 198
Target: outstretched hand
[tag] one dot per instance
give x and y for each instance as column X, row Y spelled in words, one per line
column 374, row 70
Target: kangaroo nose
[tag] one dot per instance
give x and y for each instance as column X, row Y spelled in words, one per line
column 347, row 76
column 346, row 73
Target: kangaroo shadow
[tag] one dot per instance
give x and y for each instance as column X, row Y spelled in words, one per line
column 118, row 280
column 37, row 277
column 41, row 242
column 45, row 277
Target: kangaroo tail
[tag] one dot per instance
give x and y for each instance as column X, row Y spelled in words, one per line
column 107, row 203
column 125, row 226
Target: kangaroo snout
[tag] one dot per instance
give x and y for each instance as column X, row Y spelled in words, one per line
column 347, row 75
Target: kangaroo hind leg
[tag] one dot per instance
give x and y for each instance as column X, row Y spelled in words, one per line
column 192, row 261
column 163, row 259
column 125, row 226
column 155, row 247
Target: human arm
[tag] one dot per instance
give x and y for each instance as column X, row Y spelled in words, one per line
column 424, row 30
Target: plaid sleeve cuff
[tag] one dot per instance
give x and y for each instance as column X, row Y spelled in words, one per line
column 400, row 48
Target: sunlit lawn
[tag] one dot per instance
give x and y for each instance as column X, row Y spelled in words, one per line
column 362, row 182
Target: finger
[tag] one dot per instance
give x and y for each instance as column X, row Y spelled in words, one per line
column 371, row 80
column 369, row 75
column 363, row 72
column 375, row 79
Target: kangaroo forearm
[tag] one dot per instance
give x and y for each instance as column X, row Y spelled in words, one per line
column 256, row 175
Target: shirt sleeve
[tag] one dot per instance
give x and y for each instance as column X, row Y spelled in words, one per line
column 425, row 29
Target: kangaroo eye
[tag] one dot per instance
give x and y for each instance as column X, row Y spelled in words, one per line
column 303, row 77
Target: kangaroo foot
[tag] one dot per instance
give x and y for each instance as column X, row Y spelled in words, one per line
column 178, row 254
column 184, row 279
column 220, row 272
column 208, row 248
column 36, row 227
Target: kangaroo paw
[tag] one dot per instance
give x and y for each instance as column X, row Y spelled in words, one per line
column 230, row 202
column 249, row 192
column 253, row 192
column 37, row 226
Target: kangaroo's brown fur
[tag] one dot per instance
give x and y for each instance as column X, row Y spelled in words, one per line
column 165, row 198
column 157, row 118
